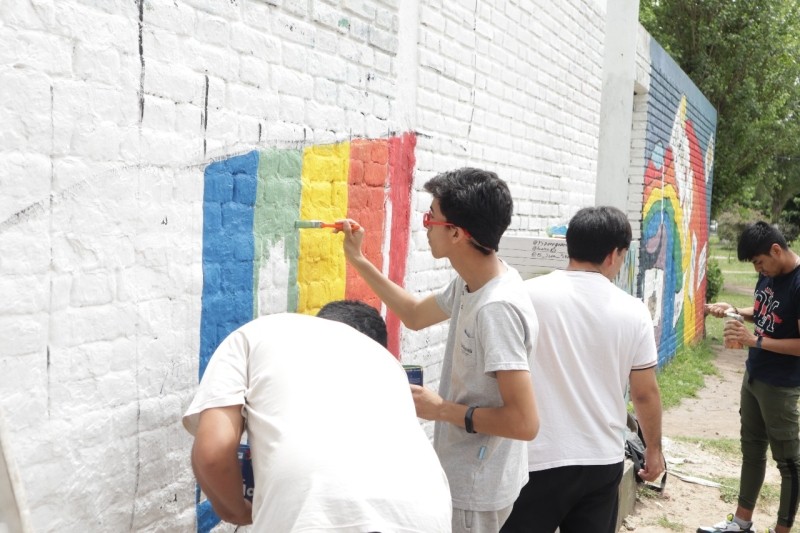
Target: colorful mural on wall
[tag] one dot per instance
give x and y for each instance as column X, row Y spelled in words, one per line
column 255, row 262
column 675, row 221
column 626, row 277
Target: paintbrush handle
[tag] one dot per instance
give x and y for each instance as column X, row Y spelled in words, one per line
column 340, row 225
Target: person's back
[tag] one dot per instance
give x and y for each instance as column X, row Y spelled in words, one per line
column 592, row 339
column 589, row 333
column 335, row 441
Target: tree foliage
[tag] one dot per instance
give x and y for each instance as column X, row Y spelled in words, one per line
column 744, row 55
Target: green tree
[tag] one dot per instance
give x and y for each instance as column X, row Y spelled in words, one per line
column 744, row 55
column 779, row 184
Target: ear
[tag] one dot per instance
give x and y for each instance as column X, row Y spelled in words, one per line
column 458, row 234
column 609, row 260
column 776, row 251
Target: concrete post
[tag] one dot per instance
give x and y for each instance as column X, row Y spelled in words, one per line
column 616, row 104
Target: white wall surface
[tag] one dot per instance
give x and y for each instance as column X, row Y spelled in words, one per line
column 109, row 112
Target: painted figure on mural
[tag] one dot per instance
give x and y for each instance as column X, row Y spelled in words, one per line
column 593, row 339
column 485, row 408
column 327, row 455
column 675, row 234
column 771, row 384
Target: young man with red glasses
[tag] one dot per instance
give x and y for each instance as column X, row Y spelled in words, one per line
column 485, row 409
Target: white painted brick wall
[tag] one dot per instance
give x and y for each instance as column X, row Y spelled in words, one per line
column 99, row 324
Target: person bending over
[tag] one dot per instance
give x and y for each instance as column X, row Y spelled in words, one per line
column 334, row 437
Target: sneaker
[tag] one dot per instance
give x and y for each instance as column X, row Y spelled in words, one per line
column 728, row 525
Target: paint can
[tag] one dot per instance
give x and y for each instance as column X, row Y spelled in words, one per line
column 246, row 464
column 735, row 345
column 414, row 373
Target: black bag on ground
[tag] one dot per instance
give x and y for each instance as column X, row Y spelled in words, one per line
column 634, row 448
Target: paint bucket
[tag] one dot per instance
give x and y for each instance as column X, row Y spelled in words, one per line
column 246, row 464
column 414, row 373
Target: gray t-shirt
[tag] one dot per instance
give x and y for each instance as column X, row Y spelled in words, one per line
column 494, row 328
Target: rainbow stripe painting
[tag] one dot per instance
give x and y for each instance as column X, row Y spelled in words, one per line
column 255, row 262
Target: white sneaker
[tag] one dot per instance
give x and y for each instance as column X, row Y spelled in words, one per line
column 727, row 525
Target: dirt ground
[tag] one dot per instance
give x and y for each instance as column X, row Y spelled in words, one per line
column 714, row 415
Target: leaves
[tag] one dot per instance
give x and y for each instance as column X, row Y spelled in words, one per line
column 744, row 55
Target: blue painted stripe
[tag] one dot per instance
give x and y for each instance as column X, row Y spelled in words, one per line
column 229, row 199
column 228, row 208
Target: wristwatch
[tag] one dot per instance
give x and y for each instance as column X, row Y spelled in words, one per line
column 759, row 338
column 468, row 420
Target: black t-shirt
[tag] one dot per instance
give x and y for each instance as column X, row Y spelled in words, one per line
column 776, row 310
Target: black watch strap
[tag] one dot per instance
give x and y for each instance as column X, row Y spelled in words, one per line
column 468, row 420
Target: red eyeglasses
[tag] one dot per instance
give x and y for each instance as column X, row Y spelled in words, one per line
column 426, row 221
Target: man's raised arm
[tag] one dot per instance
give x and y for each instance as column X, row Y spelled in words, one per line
column 415, row 313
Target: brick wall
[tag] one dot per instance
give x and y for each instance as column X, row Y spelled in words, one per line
column 112, row 115
column 671, row 181
column 515, row 87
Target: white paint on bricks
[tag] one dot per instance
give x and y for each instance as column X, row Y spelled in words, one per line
column 273, row 276
column 101, row 217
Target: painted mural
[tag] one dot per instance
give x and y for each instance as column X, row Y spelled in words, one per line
column 674, row 247
column 255, row 262
column 626, row 277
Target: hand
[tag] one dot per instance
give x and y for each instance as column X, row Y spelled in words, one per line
column 718, row 309
column 352, row 240
column 426, row 402
column 736, row 331
column 653, row 464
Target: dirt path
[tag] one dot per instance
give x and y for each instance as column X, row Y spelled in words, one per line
column 713, row 415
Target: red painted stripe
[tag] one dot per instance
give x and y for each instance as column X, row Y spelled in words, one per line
column 366, row 204
column 401, row 170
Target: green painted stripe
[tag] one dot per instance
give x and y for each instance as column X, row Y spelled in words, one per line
column 277, row 209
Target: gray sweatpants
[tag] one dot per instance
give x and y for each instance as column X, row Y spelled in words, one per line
column 465, row 521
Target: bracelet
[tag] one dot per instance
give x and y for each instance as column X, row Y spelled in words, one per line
column 468, row 420
column 759, row 338
column 736, row 309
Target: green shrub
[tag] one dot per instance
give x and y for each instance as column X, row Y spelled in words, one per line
column 731, row 223
column 789, row 230
column 714, row 280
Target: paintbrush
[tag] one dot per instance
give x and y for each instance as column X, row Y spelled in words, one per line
column 316, row 224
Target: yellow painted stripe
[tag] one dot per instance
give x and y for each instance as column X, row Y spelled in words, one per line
column 321, row 266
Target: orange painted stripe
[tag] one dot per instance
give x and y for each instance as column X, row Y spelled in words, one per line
column 366, row 201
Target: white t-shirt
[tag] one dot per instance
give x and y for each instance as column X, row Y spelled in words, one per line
column 336, row 444
column 591, row 336
column 491, row 329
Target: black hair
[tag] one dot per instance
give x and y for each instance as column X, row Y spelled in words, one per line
column 757, row 238
column 359, row 316
column 477, row 201
column 594, row 232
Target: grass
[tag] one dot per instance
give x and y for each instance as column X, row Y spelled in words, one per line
column 729, row 447
column 642, row 492
column 663, row 521
column 729, row 492
column 683, row 376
